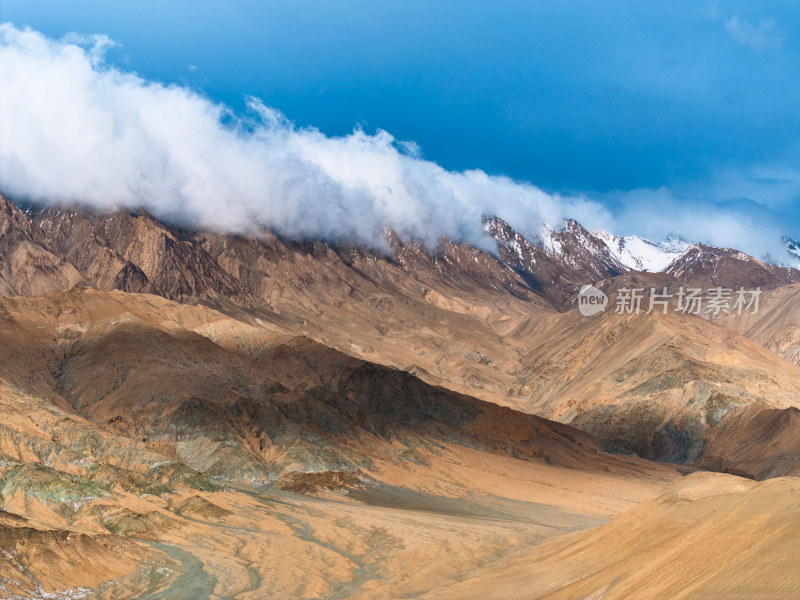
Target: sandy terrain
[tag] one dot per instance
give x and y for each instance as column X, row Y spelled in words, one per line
column 373, row 541
column 708, row 536
column 155, row 450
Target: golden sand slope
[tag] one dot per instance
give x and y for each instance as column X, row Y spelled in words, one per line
column 660, row 385
column 709, row 536
column 776, row 326
column 431, row 527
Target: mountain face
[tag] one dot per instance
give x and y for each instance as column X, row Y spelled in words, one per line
column 492, row 327
column 60, row 248
column 793, row 246
column 559, row 263
column 661, row 386
column 181, row 441
column 729, row 268
column 638, row 254
column 777, row 326
column 249, row 405
column 189, row 401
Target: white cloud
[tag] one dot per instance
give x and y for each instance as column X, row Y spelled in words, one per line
column 76, row 129
column 742, row 224
column 774, row 186
column 765, row 34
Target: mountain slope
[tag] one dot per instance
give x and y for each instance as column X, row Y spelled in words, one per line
column 640, row 254
column 729, row 268
column 258, row 417
column 457, row 317
column 178, row 438
column 559, row 262
column 659, row 385
column 776, row 325
column 708, row 536
column 241, row 401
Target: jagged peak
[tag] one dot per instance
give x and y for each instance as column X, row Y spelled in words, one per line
column 641, row 254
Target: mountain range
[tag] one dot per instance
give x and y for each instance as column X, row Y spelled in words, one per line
column 237, row 416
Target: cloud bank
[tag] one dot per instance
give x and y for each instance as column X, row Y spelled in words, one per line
column 74, row 128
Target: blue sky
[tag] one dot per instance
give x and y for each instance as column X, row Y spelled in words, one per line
column 676, row 103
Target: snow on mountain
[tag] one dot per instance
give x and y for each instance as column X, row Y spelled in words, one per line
column 793, row 247
column 640, row 254
column 571, row 253
column 548, row 239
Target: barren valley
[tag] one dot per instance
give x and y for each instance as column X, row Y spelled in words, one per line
column 196, row 415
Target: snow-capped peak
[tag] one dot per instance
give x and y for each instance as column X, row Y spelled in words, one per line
column 640, row 254
column 548, row 237
column 793, row 248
